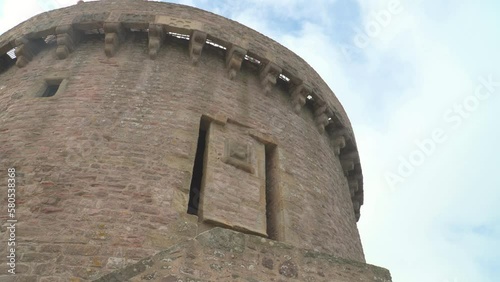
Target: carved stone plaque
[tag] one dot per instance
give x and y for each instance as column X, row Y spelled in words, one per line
column 239, row 155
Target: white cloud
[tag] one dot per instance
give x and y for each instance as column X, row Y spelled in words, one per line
column 13, row 13
column 411, row 73
column 414, row 71
column 408, row 230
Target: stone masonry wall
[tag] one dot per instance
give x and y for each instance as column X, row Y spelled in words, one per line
column 224, row 255
column 104, row 166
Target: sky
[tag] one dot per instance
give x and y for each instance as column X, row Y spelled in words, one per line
column 420, row 81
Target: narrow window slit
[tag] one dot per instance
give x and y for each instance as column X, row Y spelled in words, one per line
column 197, row 175
column 52, row 86
column 273, row 194
column 51, row 90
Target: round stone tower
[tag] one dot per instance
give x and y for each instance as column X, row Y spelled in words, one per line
column 161, row 142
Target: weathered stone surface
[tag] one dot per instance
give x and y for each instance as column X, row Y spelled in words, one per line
column 225, row 255
column 289, row 269
column 237, row 183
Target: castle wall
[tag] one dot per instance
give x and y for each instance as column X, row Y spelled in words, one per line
column 104, row 166
column 225, row 255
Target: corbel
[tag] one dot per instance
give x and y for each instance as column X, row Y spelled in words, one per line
column 156, row 35
column 268, row 76
column 67, row 38
column 24, row 51
column 321, row 117
column 354, row 184
column 357, row 201
column 348, row 161
column 196, row 42
column 234, row 58
column 115, row 34
column 339, row 140
column 356, row 208
column 299, row 95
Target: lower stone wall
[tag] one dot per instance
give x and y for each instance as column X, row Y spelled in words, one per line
column 225, row 255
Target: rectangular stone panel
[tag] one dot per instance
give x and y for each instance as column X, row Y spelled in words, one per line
column 233, row 193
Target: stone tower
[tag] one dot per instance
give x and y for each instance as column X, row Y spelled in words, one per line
column 155, row 141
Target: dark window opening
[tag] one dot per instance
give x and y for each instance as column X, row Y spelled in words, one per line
column 7, row 60
column 273, row 195
column 51, row 90
column 283, row 83
column 310, row 103
column 197, row 176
